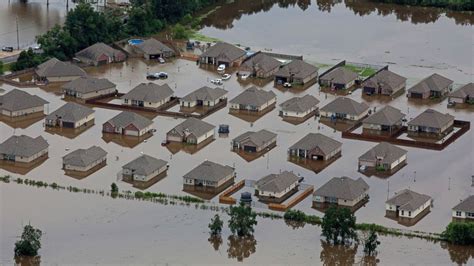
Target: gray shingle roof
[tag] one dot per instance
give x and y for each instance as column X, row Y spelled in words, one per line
column 387, row 116
column 340, row 75
column 385, row 79
column 299, row 104
column 125, row 118
column 298, row 68
column 259, row 138
column 88, row 84
column 145, row 165
column 55, row 68
column 23, row 145
column 153, row 46
column 343, row 105
column 149, row 92
column 71, row 112
column 210, row 171
column 16, row 100
column 192, row 126
column 224, row 50
column 84, row 157
column 276, row 183
column 317, row 140
column 343, row 188
column 464, row 91
column 260, row 61
column 254, row 97
column 388, row 153
column 94, row 51
column 205, row 94
column 408, row 200
column 467, row 205
column 431, row 118
column 435, row 82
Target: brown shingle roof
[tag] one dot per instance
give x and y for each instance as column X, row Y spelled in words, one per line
column 431, row 118
column 317, row 140
column 298, row 69
column 342, row 188
column 276, row 183
column 467, row 205
column 408, row 200
column 149, row 92
column 343, row 105
column 94, row 51
column 340, row 75
column 388, row 153
column 300, row 104
column 88, row 84
column 254, row 96
column 387, row 116
column 464, row 91
column 260, row 61
column 435, row 82
column 16, row 100
column 55, row 68
column 153, row 46
column 225, row 50
column 385, row 79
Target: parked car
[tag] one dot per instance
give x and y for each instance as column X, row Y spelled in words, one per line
column 244, row 76
column 216, row 81
column 161, row 60
column 158, row 75
column 221, row 68
column 7, row 49
column 287, row 85
column 226, row 77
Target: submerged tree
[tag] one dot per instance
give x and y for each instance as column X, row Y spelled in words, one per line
column 114, row 190
column 242, row 220
column 459, row 233
column 29, row 243
column 371, row 243
column 338, row 225
column 215, row 226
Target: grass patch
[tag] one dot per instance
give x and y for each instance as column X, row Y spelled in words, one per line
column 361, row 71
column 195, row 35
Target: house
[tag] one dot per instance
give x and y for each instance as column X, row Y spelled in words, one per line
column 434, row 86
column 23, row 149
column 100, row 54
column 340, row 78
column 432, row 122
column 387, row 119
column 465, row 94
column 408, row 205
column 86, row 88
column 70, row 115
column 223, row 54
column 210, row 175
column 296, row 72
column 344, row 108
column 464, row 211
column 276, row 187
column 54, row 70
column 383, row 157
column 342, row 191
column 144, row 168
column 299, row 107
column 83, row 160
column 384, row 82
column 191, row 131
column 254, row 141
column 253, row 99
column 148, row 95
column 153, row 49
column 260, row 65
column 316, row 146
column 129, row 124
column 17, row 103
column 204, row 96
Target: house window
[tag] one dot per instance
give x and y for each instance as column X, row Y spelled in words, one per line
column 409, row 213
column 470, row 214
column 458, row 213
column 403, row 212
column 125, row 100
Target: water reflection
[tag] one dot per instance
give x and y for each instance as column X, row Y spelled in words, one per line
column 28, row 261
column 459, row 254
column 215, row 241
column 241, row 247
column 337, row 254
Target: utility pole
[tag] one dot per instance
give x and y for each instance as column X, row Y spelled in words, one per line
column 17, row 35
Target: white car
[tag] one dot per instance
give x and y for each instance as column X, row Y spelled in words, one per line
column 221, row 68
column 161, row 60
column 287, row 85
column 216, row 81
column 226, row 77
column 244, row 76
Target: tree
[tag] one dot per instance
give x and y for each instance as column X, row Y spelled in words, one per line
column 242, row 220
column 29, row 243
column 459, row 233
column 180, row 32
column 27, row 59
column 215, row 226
column 57, row 42
column 1, row 68
column 114, row 188
column 371, row 243
column 338, row 225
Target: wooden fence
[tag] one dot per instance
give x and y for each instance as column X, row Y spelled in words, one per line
column 283, row 207
column 226, row 198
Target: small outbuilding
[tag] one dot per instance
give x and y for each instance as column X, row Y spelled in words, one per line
column 204, row 96
column 299, row 107
column 383, row 157
column 464, row 211
column 153, row 49
column 297, row 72
column 316, row 146
column 54, row 70
column 100, row 54
column 86, row 88
column 408, row 205
column 70, row 115
column 340, row 78
column 83, row 160
column 129, row 124
column 210, row 175
column 260, row 65
column 384, row 82
column 144, row 168
column 434, row 86
column 253, row 99
column 431, row 122
column 345, row 108
column 191, row 131
column 148, row 95
column 223, row 53
column 23, row 149
column 276, row 187
column 342, row 191
column 465, row 94
column 16, row 103
column 387, row 119
column 254, row 141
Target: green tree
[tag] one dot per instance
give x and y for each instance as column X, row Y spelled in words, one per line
column 371, row 243
column 215, row 226
column 242, row 220
column 29, row 243
column 114, row 188
column 27, row 59
column 57, row 42
column 459, row 233
column 338, row 225
column 1, row 68
column 180, row 32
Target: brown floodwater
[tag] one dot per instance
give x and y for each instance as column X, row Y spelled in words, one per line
column 143, row 232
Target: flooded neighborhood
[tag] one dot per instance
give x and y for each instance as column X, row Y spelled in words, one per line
column 277, row 105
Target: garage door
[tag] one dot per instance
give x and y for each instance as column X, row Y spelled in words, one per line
column 68, row 124
column 129, row 132
column 416, row 95
column 250, row 149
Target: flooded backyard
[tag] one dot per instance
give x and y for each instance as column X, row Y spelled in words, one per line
column 324, row 33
